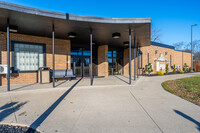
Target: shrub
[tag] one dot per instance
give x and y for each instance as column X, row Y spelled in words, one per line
column 195, row 70
column 160, row 73
column 182, row 71
column 189, row 69
column 148, row 68
column 174, row 69
column 185, row 67
column 167, row 69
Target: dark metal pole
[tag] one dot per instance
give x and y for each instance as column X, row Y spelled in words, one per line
column 91, row 78
column 141, row 63
column 134, row 58
column 138, row 59
column 130, row 56
column 53, row 48
column 112, row 63
column 138, row 63
column 8, row 56
column 191, row 51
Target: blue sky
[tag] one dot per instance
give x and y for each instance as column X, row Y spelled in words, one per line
column 173, row 17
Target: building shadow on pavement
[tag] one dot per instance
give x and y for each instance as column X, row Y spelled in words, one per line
column 132, row 77
column 121, row 79
column 9, row 109
column 61, row 83
column 45, row 114
column 188, row 118
column 21, row 87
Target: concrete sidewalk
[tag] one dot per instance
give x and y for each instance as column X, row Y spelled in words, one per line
column 143, row 108
column 119, row 80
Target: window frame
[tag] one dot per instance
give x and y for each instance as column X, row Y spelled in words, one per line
column 13, row 55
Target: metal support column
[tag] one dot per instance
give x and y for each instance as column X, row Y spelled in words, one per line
column 53, row 48
column 130, row 56
column 138, row 62
column 134, row 58
column 112, row 64
column 139, row 56
column 91, row 77
column 141, row 63
column 8, row 56
column 191, row 51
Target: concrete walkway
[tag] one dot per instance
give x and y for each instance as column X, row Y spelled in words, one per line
column 119, row 80
column 142, row 108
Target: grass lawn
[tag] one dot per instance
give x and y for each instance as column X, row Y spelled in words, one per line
column 186, row 88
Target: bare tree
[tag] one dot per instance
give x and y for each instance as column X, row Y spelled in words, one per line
column 180, row 45
column 196, row 46
column 197, row 56
column 187, row 50
column 196, row 49
column 185, row 46
column 155, row 35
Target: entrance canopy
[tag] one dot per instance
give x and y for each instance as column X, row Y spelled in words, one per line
column 39, row 22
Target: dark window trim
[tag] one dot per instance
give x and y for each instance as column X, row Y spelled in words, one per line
column 12, row 55
column 170, row 60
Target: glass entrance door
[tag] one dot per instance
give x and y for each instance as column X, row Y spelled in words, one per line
column 80, row 62
column 86, row 64
column 115, row 62
column 76, row 65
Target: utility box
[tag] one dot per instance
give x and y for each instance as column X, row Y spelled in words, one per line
column 44, row 75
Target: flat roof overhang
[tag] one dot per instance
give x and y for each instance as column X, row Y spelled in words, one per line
column 38, row 22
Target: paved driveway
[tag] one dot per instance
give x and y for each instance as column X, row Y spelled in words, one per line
column 142, row 108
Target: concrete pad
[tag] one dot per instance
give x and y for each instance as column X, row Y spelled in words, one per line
column 85, row 81
column 144, row 107
column 8, row 108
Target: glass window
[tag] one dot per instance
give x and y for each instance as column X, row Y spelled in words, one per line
column 77, row 62
column 74, row 53
column 110, row 62
column 79, row 52
column 86, row 61
column 114, row 54
column 86, row 52
column 28, row 57
column 109, row 53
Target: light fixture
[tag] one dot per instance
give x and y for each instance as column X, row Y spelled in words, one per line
column 13, row 28
column 126, row 43
column 194, row 25
column 71, row 35
column 93, row 43
column 116, row 35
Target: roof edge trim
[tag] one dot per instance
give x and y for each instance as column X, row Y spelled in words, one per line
column 53, row 14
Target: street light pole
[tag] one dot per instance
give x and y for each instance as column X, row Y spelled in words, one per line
column 192, row 49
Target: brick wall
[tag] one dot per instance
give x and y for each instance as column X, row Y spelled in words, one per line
column 187, row 58
column 177, row 57
column 62, row 55
column 126, row 61
column 103, row 60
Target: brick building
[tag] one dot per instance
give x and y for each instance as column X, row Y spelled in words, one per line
column 90, row 46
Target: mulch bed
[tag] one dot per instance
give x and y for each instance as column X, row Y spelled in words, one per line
column 6, row 128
